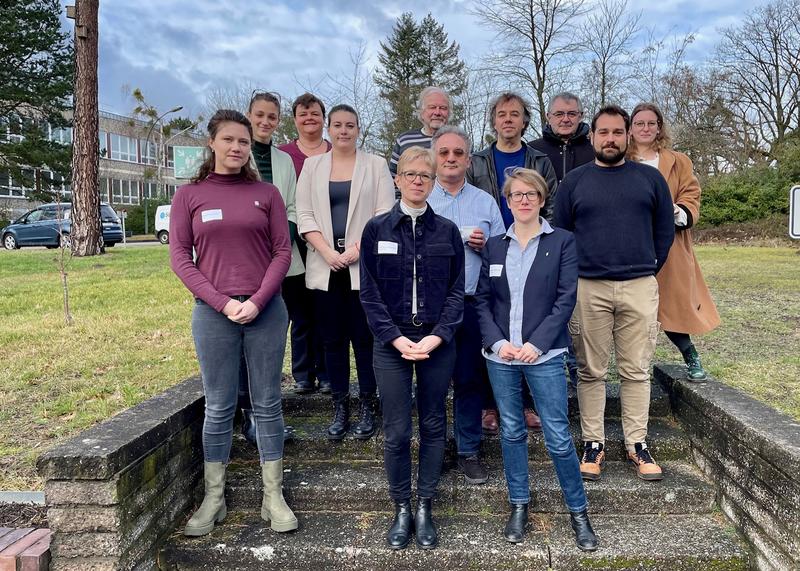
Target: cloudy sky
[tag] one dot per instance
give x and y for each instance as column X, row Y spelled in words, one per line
column 175, row 51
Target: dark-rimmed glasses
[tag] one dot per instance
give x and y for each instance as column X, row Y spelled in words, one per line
column 531, row 195
column 411, row 176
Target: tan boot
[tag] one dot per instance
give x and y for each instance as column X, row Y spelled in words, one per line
column 213, row 507
column 592, row 461
column 274, row 508
column 646, row 467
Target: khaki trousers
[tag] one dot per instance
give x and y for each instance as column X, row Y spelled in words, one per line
column 624, row 312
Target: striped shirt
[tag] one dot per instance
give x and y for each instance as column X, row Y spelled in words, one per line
column 415, row 138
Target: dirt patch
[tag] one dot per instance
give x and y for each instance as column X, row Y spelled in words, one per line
column 770, row 232
column 22, row 515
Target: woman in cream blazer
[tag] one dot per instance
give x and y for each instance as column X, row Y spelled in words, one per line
column 337, row 193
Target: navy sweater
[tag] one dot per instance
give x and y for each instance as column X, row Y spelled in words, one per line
column 621, row 216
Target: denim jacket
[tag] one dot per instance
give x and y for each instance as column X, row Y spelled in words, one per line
column 388, row 252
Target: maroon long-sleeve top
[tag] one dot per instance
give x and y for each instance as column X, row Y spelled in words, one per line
column 240, row 237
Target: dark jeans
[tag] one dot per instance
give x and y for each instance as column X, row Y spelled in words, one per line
column 220, row 343
column 342, row 321
column 546, row 382
column 471, row 389
column 394, row 376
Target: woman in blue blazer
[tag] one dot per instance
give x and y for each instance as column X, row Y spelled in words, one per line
column 525, row 297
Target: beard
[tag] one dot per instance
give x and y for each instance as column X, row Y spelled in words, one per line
column 613, row 159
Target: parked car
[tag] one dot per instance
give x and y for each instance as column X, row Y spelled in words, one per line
column 40, row 227
column 162, row 224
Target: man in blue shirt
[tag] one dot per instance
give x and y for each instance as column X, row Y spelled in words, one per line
column 621, row 214
column 510, row 116
column 478, row 217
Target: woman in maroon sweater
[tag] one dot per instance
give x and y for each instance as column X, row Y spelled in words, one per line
column 229, row 244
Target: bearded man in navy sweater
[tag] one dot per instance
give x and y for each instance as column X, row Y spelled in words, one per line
column 621, row 215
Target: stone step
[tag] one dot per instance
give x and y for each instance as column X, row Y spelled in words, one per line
column 362, row 487
column 356, row 542
column 665, row 439
column 317, row 403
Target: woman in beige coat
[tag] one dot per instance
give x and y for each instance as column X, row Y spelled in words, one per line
column 685, row 304
column 337, row 193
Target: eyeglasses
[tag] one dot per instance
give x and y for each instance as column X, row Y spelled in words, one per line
column 411, row 176
column 562, row 114
column 641, row 124
column 517, row 196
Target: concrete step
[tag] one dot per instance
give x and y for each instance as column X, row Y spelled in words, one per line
column 362, row 487
column 665, row 439
column 356, row 542
column 317, row 403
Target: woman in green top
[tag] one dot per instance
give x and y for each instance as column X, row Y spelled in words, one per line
column 276, row 167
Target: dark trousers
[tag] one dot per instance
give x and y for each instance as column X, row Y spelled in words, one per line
column 471, row 388
column 394, row 376
column 342, row 321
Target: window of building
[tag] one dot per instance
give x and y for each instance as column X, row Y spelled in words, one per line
column 123, row 148
column 150, row 190
column 124, row 191
column 55, row 183
column 149, row 152
column 103, row 140
column 103, row 190
column 170, row 189
column 61, row 135
column 170, row 157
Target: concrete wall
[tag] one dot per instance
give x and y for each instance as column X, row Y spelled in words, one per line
column 115, row 491
column 752, row 455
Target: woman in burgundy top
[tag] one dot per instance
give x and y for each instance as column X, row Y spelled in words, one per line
column 229, row 245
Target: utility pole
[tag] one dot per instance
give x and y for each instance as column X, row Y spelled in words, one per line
column 86, row 232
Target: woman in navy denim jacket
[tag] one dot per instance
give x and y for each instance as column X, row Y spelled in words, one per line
column 412, row 291
column 526, row 295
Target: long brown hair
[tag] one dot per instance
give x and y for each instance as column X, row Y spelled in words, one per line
column 663, row 138
column 220, row 117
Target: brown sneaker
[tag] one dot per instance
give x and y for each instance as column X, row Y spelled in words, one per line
column 592, row 461
column 489, row 423
column 532, row 420
column 646, row 467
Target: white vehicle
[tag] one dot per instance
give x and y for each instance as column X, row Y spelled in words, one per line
column 162, row 224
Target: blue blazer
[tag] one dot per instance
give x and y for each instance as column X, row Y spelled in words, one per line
column 549, row 293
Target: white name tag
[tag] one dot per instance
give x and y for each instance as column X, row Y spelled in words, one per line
column 495, row 270
column 387, row 247
column 209, row 215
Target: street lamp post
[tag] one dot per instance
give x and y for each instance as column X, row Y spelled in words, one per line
column 159, row 156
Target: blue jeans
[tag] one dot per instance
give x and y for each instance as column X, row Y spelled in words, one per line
column 546, row 382
column 219, row 343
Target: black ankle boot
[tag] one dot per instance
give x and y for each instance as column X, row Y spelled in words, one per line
column 517, row 523
column 249, row 425
column 425, row 529
column 341, row 417
column 366, row 425
column 399, row 534
column 584, row 534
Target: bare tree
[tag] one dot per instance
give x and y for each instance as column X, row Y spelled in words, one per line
column 86, row 233
column 759, row 69
column 480, row 88
column 662, row 60
column 536, row 41
column 608, row 34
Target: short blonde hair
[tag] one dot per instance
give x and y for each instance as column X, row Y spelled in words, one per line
column 411, row 154
column 529, row 177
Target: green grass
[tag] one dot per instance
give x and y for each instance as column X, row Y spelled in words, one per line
column 131, row 339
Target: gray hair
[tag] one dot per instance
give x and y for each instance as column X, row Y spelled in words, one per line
column 427, row 92
column 455, row 130
column 566, row 96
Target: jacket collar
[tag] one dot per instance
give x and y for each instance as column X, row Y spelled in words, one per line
column 581, row 133
column 546, row 229
column 396, row 216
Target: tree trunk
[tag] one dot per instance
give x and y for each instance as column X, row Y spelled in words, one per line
column 86, row 231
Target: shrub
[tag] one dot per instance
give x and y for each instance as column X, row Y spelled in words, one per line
column 134, row 223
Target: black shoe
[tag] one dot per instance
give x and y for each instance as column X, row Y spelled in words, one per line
column 303, row 387
column 249, row 426
column 366, row 425
column 399, row 535
column 288, row 433
column 341, row 417
column 474, row 472
column 426, row 530
column 584, row 534
column 517, row 523
column 324, row 387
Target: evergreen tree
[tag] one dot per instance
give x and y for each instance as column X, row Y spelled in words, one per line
column 35, row 84
column 414, row 57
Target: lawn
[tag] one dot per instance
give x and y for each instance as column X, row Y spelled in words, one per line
column 131, row 339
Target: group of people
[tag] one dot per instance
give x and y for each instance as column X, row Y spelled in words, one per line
column 491, row 271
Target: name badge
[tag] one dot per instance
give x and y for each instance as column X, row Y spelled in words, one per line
column 209, row 215
column 387, row 247
column 495, row 270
